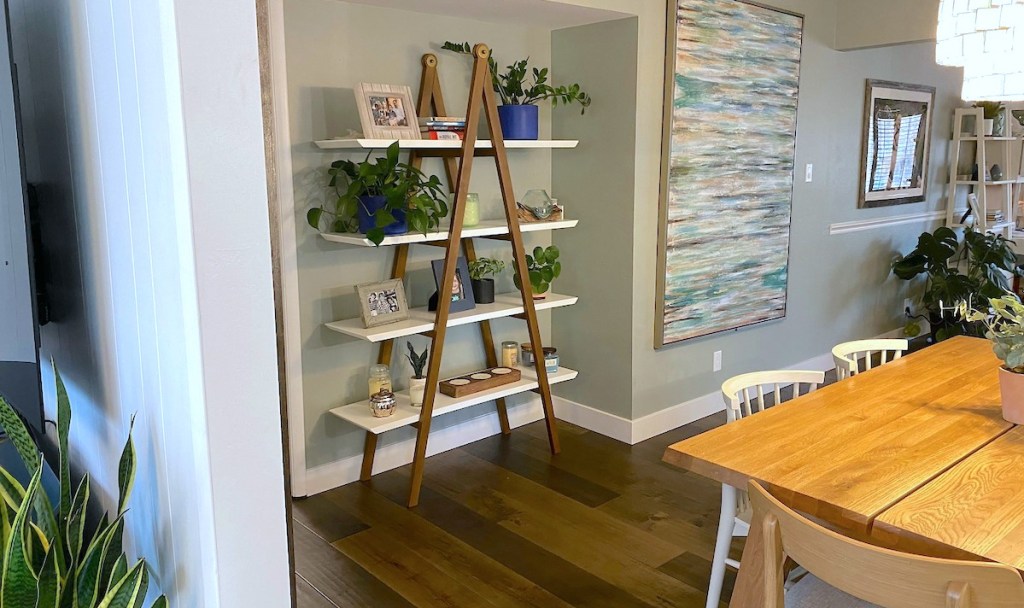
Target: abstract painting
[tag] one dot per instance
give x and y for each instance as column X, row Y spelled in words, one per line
column 897, row 138
column 733, row 75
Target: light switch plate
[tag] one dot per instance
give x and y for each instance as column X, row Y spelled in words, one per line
column 809, row 174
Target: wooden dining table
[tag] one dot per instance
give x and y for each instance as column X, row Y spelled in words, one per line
column 913, row 455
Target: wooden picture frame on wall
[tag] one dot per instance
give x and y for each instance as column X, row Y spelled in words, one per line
column 387, row 111
column 726, row 175
column 895, row 143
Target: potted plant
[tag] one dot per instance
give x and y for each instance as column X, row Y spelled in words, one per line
column 381, row 198
column 520, row 88
column 483, row 287
column 418, row 382
column 51, row 557
column 543, row 267
column 1004, row 326
column 973, row 270
column 991, row 111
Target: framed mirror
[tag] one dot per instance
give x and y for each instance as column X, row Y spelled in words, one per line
column 896, row 143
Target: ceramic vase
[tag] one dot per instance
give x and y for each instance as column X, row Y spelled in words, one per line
column 519, row 121
column 1011, row 389
column 417, row 386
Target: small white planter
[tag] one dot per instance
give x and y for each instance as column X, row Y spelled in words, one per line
column 990, row 126
column 417, row 387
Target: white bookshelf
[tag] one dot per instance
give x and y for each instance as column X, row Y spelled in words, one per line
column 421, row 320
column 362, row 143
column 405, row 414
column 483, row 229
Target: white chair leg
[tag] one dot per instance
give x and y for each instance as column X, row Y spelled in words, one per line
column 726, row 524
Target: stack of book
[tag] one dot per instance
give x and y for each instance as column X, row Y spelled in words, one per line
column 995, row 216
column 443, row 127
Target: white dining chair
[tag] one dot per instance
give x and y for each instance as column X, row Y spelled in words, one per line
column 744, row 396
column 848, row 354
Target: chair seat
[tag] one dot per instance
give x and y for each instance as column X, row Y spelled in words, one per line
column 812, row 592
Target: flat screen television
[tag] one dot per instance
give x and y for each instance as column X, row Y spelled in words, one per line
column 21, row 309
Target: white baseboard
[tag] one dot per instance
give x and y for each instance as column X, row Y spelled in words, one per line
column 394, row 455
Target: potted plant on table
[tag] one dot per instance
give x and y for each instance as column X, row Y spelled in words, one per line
column 521, row 88
column 975, row 270
column 418, row 382
column 479, row 271
column 1004, row 326
column 543, row 267
column 381, row 198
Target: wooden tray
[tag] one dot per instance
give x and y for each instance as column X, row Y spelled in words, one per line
column 466, row 384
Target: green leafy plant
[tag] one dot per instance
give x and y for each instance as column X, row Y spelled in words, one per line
column 49, row 560
column 485, row 267
column 989, row 108
column 1004, row 326
column 543, row 267
column 405, row 187
column 972, row 270
column 521, row 85
column 418, row 361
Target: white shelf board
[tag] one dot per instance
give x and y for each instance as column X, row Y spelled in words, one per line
column 405, row 414
column 362, row 143
column 1001, row 182
column 421, row 320
column 987, row 138
column 483, row 229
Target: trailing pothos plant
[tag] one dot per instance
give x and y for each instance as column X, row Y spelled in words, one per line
column 49, row 559
column 970, row 271
column 405, row 187
column 521, row 85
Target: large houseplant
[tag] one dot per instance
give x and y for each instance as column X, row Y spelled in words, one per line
column 1003, row 320
column 380, row 198
column 521, row 88
column 972, row 270
column 543, row 268
column 49, row 559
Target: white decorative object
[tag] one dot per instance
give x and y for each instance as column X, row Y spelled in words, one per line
column 986, row 38
column 417, row 386
column 387, row 111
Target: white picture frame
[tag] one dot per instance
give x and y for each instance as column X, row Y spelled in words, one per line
column 387, row 111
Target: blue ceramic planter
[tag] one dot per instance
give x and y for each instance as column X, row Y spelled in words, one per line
column 518, row 122
column 368, row 205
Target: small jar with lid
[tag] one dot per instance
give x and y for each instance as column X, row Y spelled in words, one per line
column 509, row 354
column 380, row 378
column 383, row 404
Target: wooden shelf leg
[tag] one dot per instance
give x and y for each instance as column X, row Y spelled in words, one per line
column 369, row 449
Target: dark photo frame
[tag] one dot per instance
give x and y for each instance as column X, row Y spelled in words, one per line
column 463, row 300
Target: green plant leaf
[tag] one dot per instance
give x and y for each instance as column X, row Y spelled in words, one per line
column 18, row 584
column 313, row 217
column 375, row 236
column 11, row 490
column 88, row 575
column 63, row 430
column 75, row 529
column 130, row 590
column 48, row 585
column 161, row 602
column 119, row 571
column 126, row 470
column 19, row 435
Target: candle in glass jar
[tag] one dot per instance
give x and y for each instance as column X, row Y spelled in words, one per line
column 380, row 378
column 472, row 214
column 509, row 354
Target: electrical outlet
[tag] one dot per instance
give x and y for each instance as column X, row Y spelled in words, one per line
column 716, row 361
column 908, row 306
column 809, row 174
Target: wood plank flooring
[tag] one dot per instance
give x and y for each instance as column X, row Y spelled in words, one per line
column 502, row 522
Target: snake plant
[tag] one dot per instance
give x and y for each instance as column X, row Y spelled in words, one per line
column 49, row 559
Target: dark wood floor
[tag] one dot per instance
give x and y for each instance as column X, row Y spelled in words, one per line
column 501, row 522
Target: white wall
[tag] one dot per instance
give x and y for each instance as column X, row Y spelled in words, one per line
column 144, row 133
column 873, row 23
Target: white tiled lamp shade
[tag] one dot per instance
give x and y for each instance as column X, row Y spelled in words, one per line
column 986, row 38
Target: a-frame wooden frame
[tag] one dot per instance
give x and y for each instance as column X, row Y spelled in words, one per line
column 458, row 166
